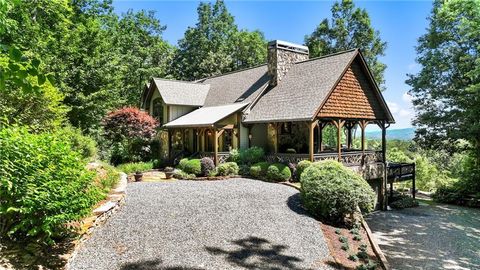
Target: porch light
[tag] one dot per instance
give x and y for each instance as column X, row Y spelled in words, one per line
column 209, row 133
column 249, row 136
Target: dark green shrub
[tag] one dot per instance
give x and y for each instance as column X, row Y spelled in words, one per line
column 244, row 170
column 362, row 254
column 183, row 162
column 43, row 185
column 278, row 172
column 193, row 166
column 331, row 191
column 134, row 167
column 345, row 246
column 343, row 239
column 406, row 202
column 259, row 170
column 338, row 231
column 301, row 166
column 158, row 163
column 179, row 174
column 247, row 156
column 207, row 165
column 353, row 257
column 227, row 168
column 363, row 247
column 85, row 145
column 357, row 237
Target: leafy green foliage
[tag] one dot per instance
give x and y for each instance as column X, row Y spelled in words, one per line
column 215, row 45
column 446, row 93
column 179, row 174
column 406, row 202
column 301, row 166
column 259, row 170
column 44, row 185
column 278, row 172
column 182, row 164
column 133, row 167
column 193, row 166
column 80, row 143
column 247, row 156
column 227, row 168
column 343, row 239
column 349, row 28
column 353, row 257
column 332, row 191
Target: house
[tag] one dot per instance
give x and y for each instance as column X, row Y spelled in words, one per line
column 282, row 106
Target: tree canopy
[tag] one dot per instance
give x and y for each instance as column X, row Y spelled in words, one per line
column 446, row 91
column 215, row 45
column 349, row 28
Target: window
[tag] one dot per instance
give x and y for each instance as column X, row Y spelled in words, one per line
column 157, row 110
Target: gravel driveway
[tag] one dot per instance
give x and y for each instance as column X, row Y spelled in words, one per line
column 429, row 237
column 230, row 224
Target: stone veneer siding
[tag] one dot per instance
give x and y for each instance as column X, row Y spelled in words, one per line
column 280, row 61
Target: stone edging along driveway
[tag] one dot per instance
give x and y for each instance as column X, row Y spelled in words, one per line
column 232, row 224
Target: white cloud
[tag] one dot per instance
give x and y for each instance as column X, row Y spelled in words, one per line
column 405, row 113
column 407, row 98
column 393, row 107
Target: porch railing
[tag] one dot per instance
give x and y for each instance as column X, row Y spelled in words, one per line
column 349, row 158
column 222, row 156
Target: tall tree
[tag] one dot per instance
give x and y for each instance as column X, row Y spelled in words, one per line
column 350, row 28
column 446, row 91
column 216, row 46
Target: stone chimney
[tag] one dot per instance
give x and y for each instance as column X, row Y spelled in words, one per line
column 281, row 56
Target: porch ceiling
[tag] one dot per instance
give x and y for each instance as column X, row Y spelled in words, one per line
column 205, row 116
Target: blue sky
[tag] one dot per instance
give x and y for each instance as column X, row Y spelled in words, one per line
column 400, row 23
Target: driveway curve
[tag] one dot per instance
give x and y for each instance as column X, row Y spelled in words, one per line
column 230, row 224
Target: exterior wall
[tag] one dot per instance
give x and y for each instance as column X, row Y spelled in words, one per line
column 243, row 137
column 176, row 111
column 259, row 135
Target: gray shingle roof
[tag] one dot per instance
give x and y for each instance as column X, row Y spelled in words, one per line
column 182, row 93
column 302, row 91
column 241, row 86
column 205, row 116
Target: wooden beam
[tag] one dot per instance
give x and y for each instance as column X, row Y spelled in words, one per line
column 275, row 142
column 215, row 145
column 339, row 124
column 311, row 130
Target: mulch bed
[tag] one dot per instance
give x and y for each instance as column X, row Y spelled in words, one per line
column 340, row 256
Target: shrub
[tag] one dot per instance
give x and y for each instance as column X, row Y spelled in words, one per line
column 343, row 239
column 84, row 145
column 179, row 174
column 405, row 202
column 259, row 170
column 353, row 257
column 244, row 170
column 207, row 165
column 43, row 185
column 135, row 167
column 345, row 246
column 193, row 166
column 301, row 166
column 183, row 162
column 278, row 172
column 227, row 168
column 247, row 156
column 130, row 132
column 331, row 191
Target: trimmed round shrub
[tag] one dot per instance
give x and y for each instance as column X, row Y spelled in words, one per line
column 227, row 168
column 301, row 166
column 278, row 172
column 183, row 162
column 259, row 170
column 44, row 184
column 331, row 191
column 207, row 165
column 193, row 166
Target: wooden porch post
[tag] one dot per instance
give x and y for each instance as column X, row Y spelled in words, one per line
column 382, row 125
column 275, row 142
column 215, row 146
column 349, row 127
column 320, row 136
column 311, row 130
column 169, row 144
column 339, row 124
column 363, row 124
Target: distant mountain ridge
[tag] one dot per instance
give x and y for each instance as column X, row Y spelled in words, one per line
column 404, row 134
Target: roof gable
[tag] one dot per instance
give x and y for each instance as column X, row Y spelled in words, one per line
column 180, row 92
column 353, row 97
column 299, row 94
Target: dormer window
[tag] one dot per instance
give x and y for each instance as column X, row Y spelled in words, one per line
column 157, row 110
